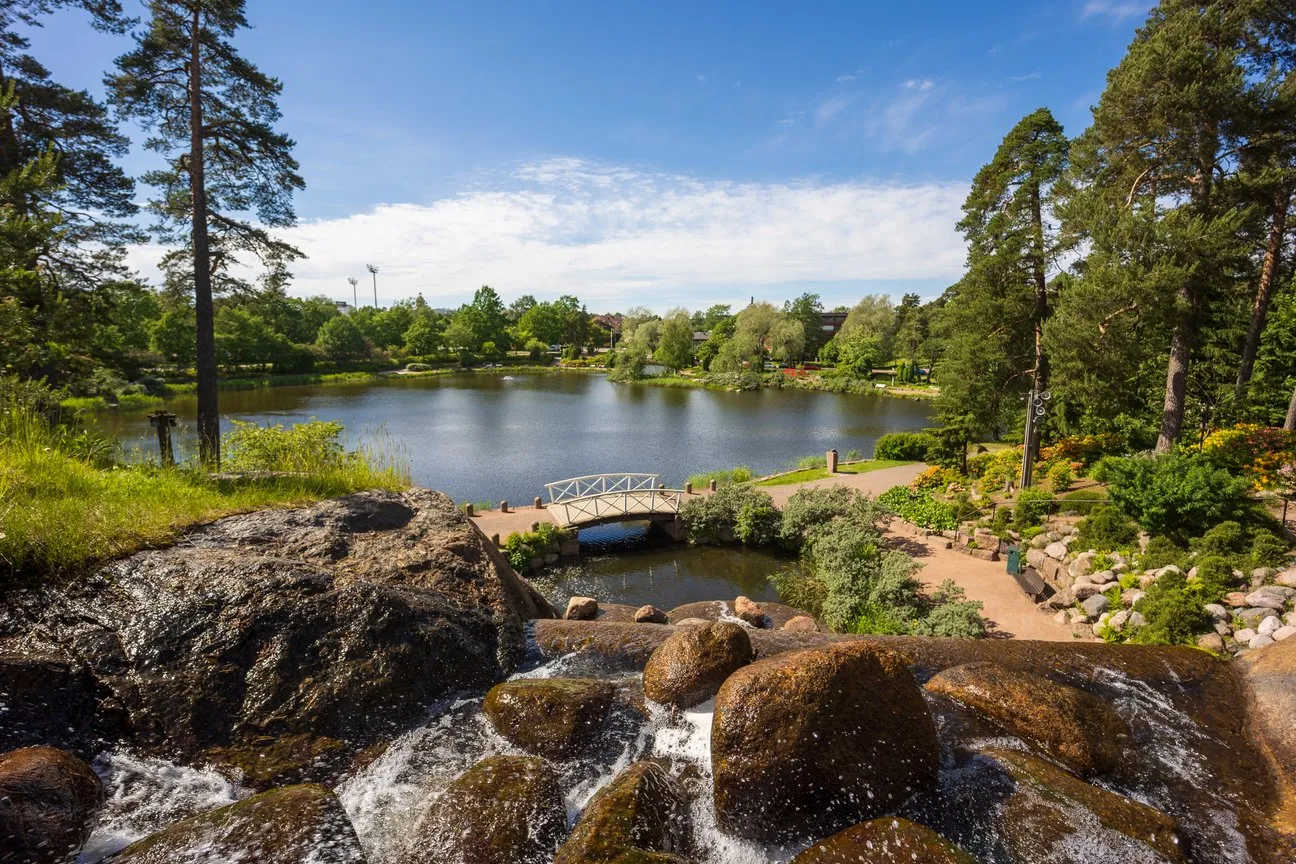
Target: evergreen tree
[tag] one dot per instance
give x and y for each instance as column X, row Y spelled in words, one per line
column 212, row 114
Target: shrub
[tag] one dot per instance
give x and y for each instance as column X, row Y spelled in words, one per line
column 996, row 470
column 903, row 446
column 1174, row 494
column 948, row 445
column 952, row 615
column 935, row 479
column 1162, row 552
column 797, row 589
column 757, row 523
column 1174, row 616
column 1084, row 449
column 1256, row 452
column 918, row 507
column 810, row 508
column 1032, row 506
column 521, row 549
column 1060, row 477
column 1082, row 501
column 1224, row 540
column 1214, row 579
column 1107, row 528
column 710, row 518
column 1269, row 550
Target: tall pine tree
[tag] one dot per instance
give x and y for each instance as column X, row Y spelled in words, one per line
column 212, row 114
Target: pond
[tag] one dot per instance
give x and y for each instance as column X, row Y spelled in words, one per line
column 480, row 437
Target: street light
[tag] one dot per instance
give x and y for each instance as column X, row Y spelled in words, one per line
column 355, row 298
column 374, row 270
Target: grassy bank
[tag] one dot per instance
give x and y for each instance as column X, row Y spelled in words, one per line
column 805, row 475
column 68, row 503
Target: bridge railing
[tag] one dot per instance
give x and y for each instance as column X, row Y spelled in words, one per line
column 600, row 484
column 613, row 505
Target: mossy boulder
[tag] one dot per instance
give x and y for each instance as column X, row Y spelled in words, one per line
column 1050, row 813
column 290, row 825
column 552, row 717
column 690, row 666
column 890, row 840
column 47, row 800
column 808, row 742
column 1077, row 728
column 503, row 810
column 266, row 761
column 641, row 817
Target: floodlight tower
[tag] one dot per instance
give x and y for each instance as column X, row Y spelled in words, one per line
column 374, row 270
column 355, row 297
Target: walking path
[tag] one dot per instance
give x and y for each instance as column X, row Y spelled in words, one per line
column 1011, row 613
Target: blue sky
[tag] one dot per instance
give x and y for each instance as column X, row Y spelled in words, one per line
column 659, row 153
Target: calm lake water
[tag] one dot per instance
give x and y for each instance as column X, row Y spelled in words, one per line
column 480, row 437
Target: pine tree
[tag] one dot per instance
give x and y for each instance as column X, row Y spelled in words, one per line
column 212, row 114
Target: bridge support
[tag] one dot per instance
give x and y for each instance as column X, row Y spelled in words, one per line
column 673, row 528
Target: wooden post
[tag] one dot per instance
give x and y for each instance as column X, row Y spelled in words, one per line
column 539, row 505
column 831, row 460
column 503, row 506
column 688, row 488
column 164, row 422
column 712, row 484
column 495, row 539
column 468, row 510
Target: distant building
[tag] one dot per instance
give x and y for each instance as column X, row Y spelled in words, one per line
column 700, row 336
column 831, row 322
column 343, row 307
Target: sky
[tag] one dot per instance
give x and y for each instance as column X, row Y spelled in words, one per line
column 632, row 153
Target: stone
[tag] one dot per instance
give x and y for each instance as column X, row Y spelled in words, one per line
column 1286, row 578
column 1049, row 813
column 503, row 810
column 553, row 717
column 1035, row 556
column 1062, row 617
column 1039, row 541
column 776, row 614
column 620, row 613
column 1117, row 621
column 1253, row 616
column 1236, row 599
column 1136, row 620
column 1269, row 626
column 1260, row 640
column 1085, row 590
column 1192, row 574
column 1284, row 633
column 1213, row 642
column 649, row 615
column 1131, row 596
column 689, row 667
column 802, row 624
column 581, row 609
column 889, row 840
column 1266, row 599
column 808, row 742
column 1056, row 550
column 1217, row 612
column 1078, row 729
column 1223, row 628
column 1245, row 635
column 1290, row 618
column 47, row 699
column 1270, row 682
column 1063, row 599
column 1260, row 574
column 1095, row 605
column 641, row 816
column 48, row 798
column 693, row 622
column 1077, row 616
column 289, row 825
column 750, row 611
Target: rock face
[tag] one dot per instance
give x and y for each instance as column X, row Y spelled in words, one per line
column 649, row 615
column 808, row 742
column 47, row 700
column 690, row 666
column 890, row 840
column 641, row 816
column 290, row 825
column 1270, row 678
column 1074, row 727
column 342, row 620
column 552, row 717
column 750, row 611
column 1051, row 813
column 47, row 798
column 503, row 810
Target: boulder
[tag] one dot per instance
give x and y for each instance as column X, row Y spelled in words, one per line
column 1266, row 599
column 750, row 611
column 890, row 840
column 1084, row 590
column 811, row 741
column 1252, row 616
column 47, row 800
column 1284, row 632
column 1131, row 596
column 1286, row 578
column 552, row 717
column 345, row 620
column 1245, row 635
column 290, row 825
column 1217, row 612
column 1076, row 728
column 1063, row 599
column 1260, row 640
column 803, row 623
column 1236, row 599
column 776, row 614
column 1096, row 605
column 693, row 622
column 649, row 615
column 1056, row 550
column 47, row 699
column 581, row 609
column 503, row 810
column 641, row 816
column 620, row 613
column 1269, row 626
column 1213, row 642
column 690, row 666
column 1049, row 814
column 1270, row 680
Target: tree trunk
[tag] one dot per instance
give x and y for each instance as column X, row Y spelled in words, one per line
column 1290, row 423
column 1172, row 410
column 1264, row 291
column 208, row 411
column 1039, row 314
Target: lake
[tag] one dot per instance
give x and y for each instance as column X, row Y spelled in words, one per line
column 480, row 437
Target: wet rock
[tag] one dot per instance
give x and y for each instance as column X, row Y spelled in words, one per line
column 693, row 622
column 290, row 825
column 620, row 613
column 342, row 620
column 649, row 615
column 552, row 717
column 750, row 611
column 810, row 741
column 641, row 816
column 690, row 666
column 268, row 761
column 1270, row 680
column 47, row 799
column 47, row 699
column 581, row 609
column 1076, row 728
column 890, row 840
column 503, row 810
column 802, row 623
column 776, row 614
column 1050, row 814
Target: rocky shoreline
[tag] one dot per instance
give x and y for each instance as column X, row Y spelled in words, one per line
column 310, row 652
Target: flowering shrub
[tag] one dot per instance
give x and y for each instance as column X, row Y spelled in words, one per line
column 1084, row 449
column 935, row 479
column 996, row 469
column 1259, row 453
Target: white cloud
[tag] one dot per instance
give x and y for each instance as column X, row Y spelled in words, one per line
column 847, row 77
column 830, row 108
column 1029, row 76
column 615, row 236
column 1117, row 10
column 921, row 85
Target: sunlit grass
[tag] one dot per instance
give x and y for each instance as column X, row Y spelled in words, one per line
column 808, row 474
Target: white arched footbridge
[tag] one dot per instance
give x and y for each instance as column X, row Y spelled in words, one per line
column 596, row 499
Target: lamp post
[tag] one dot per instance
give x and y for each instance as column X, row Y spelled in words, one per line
column 374, row 270
column 1036, row 408
column 355, row 297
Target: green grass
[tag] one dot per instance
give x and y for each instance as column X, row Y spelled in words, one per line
column 725, row 477
column 68, row 504
column 805, row 475
column 870, row 465
column 126, row 402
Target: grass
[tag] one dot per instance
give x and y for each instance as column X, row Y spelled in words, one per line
column 67, row 503
column 725, row 477
column 805, row 475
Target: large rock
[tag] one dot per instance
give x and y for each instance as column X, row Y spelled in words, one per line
column 808, row 742
column 47, row 699
column 776, row 614
column 1270, row 678
column 47, row 799
column 890, row 840
column 1076, row 728
column 552, row 717
column 503, row 810
column 750, row 611
column 1051, row 815
column 690, row 666
column 302, row 824
column 343, row 620
column 641, row 816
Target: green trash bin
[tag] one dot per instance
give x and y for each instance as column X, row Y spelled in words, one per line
column 1014, row 560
